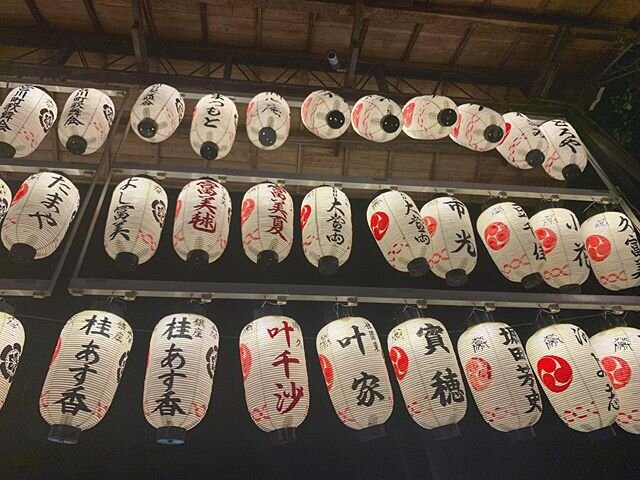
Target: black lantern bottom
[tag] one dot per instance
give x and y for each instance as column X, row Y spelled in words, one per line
column 209, row 150
column 282, row 436
column 76, row 144
column 532, row 281
column 371, row 433
column 418, row 267
column 126, row 262
column 22, row 254
column 328, row 265
column 456, row 277
column 602, row 434
column 198, row 258
column 171, row 435
column 534, row 158
column 571, row 171
column 521, row 435
column 446, row 431
column 267, row 259
column 65, row 434
column 573, row 289
column 6, row 150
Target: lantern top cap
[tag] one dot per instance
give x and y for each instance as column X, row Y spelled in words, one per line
column 7, row 307
column 267, row 309
column 479, row 316
column 115, row 306
column 190, row 306
column 544, row 319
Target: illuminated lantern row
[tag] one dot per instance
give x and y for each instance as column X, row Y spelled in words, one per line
column 566, row 266
column 213, row 126
column 398, row 228
column 157, row 113
column 179, row 376
column 501, row 379
column 454, row 253
column 86, row 367
column 85, row 121
column 567, row 156
column 325, row 114
column 613, row 249
column 5, row 199
column 478, row 128
column 376, row 118
column 134, row 222
column 429, row 117
column 523, row 145
column 267, row 224
column 325, row 221
column 26, row 115
column 11, row 347
column 201, row 224
column 268, row 120
column 511, row 243
column 40, row 214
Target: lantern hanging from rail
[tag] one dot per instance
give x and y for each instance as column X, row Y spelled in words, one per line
column 567, row 155
column 325, row 221
column 325, row 114
column 478, row 128
column 612, row 245
column 179, row 376
column 26, row 115
column 40, row 214
column 11, row 347
column 85, row 121
column 134, row 221
column 453, row 242
column 213, row 126
column 201, row 224
column 429, row 117
column 5, row 199
column 513, row 246
column 400, row 232
column 523, row 145
column 157, row 113
column 267, row 224
column 268, row 120
column 377, row 118
column 86, row 367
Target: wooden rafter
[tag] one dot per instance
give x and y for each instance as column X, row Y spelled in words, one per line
column 355, row 45
column 138, row 37
column 258, row 27
column 313, row 18
column 544, row 80
column 512, row 47
column 412, row 41
column 93, row 16
column 460, row 48
column 37, row 16
column 204, row 24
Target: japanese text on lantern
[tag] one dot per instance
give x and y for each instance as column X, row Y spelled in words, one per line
column 416, row 220
column 75, row 110
column 12, row 107
column 204, row 217
column 212, row 117
column 57, row 195
column 336, row 220
column 123, row 211
column 625, row 225
column 288, row 394
column 523, row 369
column 277, row 210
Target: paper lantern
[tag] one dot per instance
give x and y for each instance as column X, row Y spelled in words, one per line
column 377, row 118
column 568, row 369
column 429, row 117
column 267, row 224
column 566, row 266
column 612, row 246
column 40, row 214
column 85, row 122
column 201, row 224
column 454, row 253
column 157, row 113
column 11, row 347
column 398, row 228
column 86, row 367
column 5, row 199
column 268, row 120
column 134, row 222
column 325, row 221
column 512, row 243
column 567, row 155
column 213, row 126
column 523, row 145
column 501, row 379
column 26, row 115
column 325, row 114
column 179, row 376
column 478, row 128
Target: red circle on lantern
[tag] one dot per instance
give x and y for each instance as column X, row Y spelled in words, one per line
column 56, row 351
column 548, row 239
column 178, row 207
column 497, row 235
column 598, row 247
column 478, row 373
column 379, row 224
column 555, row 373
column 400, row 362
column 305, row 107
column 507, row 129
column 356, row 114
column 22, row 191
column 407, row 113
column 431, row 223
column 245, row 361
column 618, row 370
column 247, row 208
column 305, row 212
column 327, row 371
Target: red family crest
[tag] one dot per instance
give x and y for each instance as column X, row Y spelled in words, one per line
column 356, row 114
column 22, row 191
column 305, row 212
column 247, row 209
column 379, row 225
column 245, row 361
column 618, row 371
column 598, row 247
column 431, row 223
column 507, row 129
column 497, row 235
column 327, row 371
column 548, row 239
column 555, row 372
column 400, row 362
column 478, row 373
column 407, row 113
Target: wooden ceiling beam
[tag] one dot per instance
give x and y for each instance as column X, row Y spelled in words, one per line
column 204, row 24
column 355, row 45
column 138, row 37
column 313, row 18
column 547, row 74
column 37, row 16
column 93, row 16
column 258, row 41
column 460, row 48
column 412, row 41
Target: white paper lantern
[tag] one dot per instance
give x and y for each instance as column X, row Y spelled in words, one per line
column 351, row 359
column 512, row 243
column 566, row 266
column 377, row 118
column 85, row 122
column 523, row 145
column 86, row 367
column 453, row 242
column 567, row 155
column 267, row 223
column 180, row 366
column 613, row 249
column 325, row 221
column 201, row 224
column 568, row 369
column 268, row 120
column 134, row 221
column 26, row 115
column 325, row 114
column 5, row 199
column 157, row 113
column 11, row 348
column 213, row 126
column 478, row 128
column 398, row 228
column 501, row 379
column 429, row 117
column 40, row 214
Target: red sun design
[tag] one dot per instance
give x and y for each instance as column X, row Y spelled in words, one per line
column 56, row 351
column 407, row 113
column 247, row 208
column 431, row 224
column 598, row 247
column 555, row 373
column 305, row 107
column 548, row 239
column 327, row 371
column 456, row 128
column 245, row 361
column 496, row 235
column 356, row 114
column 507, row 129
column 400, row 362
column 250, row 108
column 305, row 212
column 22, row 191
column 178, row 207
column 618, row 370
column 379, row 224
column 478, row 373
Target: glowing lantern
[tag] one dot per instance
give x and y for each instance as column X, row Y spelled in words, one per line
column 567, row 156
column 11, row 346
column 398, row 228
column 213, row 126
column 325, row 114
column 268, row 120
column 40, row 214
column 26, row 115
column 157, row 113
column 523, row 145
column 429, row 117
column 376, row 118
column 85, row 121
column 325, row 221
column 134, row 222
column 478, row 128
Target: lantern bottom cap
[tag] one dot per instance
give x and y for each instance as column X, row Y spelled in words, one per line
column 521, row 434
column 266, row 259
column 534, row 158
column 76, row 145
column 22, row 254
column 571, row 171
column 126, row 262
column 198, row 258
column 447, row 117
column 493, row 133
column 282, row 436
column 6, row 150
column 148, row 127
column 209, row 150
column 602, row 434
column 531, row 281
column 267, row 136
column 418, row 267
column 328, row 265
column 371, row 433
column 65, row 434
column 456, row 277
column 573, row 289
column 445, row 431
column 171, row 435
